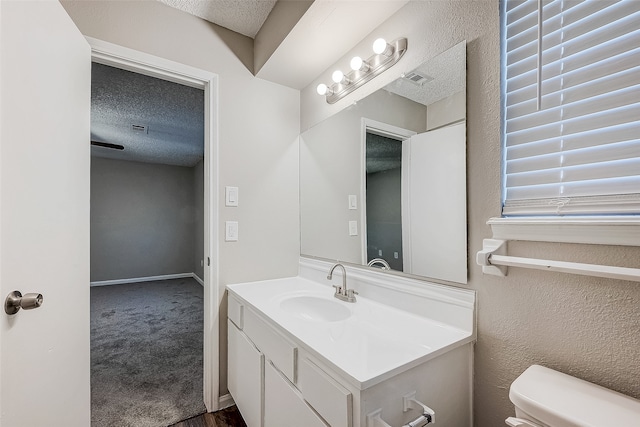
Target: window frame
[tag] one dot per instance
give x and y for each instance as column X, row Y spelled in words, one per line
column 593, row 228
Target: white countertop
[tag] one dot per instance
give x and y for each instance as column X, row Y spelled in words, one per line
column 374, row 343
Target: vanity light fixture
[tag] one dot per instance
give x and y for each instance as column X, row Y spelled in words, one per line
column 385, row 55
column 339, row 77
column 358, row 64
column 381, row 47
column 323, row 89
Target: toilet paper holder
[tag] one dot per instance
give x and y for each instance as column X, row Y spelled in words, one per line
column 409, row 401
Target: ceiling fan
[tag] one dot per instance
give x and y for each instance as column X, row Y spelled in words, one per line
column 107, row 145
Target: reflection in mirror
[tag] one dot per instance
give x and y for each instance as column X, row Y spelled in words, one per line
column 383, row 201
column 384, row 181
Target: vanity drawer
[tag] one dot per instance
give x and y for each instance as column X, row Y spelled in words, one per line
column 235, row 311
column 330, row 399
column 283, row 404
column 277, row 348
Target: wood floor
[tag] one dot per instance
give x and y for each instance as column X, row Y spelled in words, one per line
column 229, row 417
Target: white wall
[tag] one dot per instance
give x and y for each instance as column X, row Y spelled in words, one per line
column 448, row 110
column 143, row 219
column 587, row 327
column 258, row 127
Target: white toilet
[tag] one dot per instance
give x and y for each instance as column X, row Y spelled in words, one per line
column 547, row 398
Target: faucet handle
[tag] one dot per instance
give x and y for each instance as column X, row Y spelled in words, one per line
column 338, row 289
column 352, row 292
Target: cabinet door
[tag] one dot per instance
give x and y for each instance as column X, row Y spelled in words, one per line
column 332, row 401
column 283, row 404
column 245, row 373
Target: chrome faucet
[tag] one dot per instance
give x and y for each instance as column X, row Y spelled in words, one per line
column 342, row 293
column 385, row 264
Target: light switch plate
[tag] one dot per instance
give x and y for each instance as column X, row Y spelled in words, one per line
column 231, row 231
column 353, row 228
column 231, row 196
column 353, row 202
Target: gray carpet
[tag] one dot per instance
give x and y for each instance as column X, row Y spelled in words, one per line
column 146, row 353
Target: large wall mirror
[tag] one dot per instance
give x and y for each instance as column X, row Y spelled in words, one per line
column 383, row 182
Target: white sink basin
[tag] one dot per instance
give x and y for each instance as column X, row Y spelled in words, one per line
column 315, row 308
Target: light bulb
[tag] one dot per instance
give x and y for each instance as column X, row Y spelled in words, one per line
column 337, row 76
column 357, row 64
column 322, row 89
column 380, row 46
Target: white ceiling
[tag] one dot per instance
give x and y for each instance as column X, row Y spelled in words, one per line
column 242, row 16
column 324, row 34
column 172, row 115
column 326, row 31
column 446, row 74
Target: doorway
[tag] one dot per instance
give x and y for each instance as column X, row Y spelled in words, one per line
column 127, row 59
column 383, row 180
column 384, row 151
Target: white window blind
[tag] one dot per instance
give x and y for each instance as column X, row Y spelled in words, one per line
column 571, row 100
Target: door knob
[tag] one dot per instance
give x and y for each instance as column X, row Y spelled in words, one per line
column 15, row 301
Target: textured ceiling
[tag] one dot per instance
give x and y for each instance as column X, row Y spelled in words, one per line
column 295, row 48
column 448, row 73
column 383, row 153
column 172, row 116
column 242, row 16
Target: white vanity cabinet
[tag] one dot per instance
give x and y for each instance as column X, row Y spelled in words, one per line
column 262, row 387
column 288, row 371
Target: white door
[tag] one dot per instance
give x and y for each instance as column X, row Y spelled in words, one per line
column 45, row 84
column 434, row 216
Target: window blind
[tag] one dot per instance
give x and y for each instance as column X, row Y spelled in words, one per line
column 571, row 107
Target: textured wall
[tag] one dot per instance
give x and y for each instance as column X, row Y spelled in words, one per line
column 258, row 128
column 586, row 327
column 143, row 219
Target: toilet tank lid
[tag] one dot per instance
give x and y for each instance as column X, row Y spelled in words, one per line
column 561, row 400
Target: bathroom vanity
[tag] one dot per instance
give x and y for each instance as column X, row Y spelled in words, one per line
column 300, row 357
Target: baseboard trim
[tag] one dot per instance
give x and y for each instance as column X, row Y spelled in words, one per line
column 225, row 401
column 197, row 279
column 146, row 279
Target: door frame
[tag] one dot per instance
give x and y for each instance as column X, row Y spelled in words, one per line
column 142, row 63
column 389, row 131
